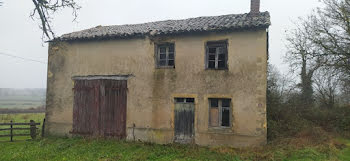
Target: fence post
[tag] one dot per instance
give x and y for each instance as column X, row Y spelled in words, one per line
column 43, row 129
column 11, row 131
column 32, row 129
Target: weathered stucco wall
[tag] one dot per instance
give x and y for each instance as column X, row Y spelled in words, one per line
column 150, row 100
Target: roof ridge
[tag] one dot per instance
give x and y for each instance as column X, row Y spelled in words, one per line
column 131, row 24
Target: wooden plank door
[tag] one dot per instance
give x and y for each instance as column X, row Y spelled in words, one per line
column 86, row 107
column 100, row 108
column 113, row 109
column 184, row 122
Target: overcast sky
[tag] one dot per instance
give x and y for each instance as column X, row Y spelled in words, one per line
column 20, row 36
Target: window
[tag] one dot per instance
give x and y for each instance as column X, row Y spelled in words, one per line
column 216, row 55
column 219, row 110
column 165, row 55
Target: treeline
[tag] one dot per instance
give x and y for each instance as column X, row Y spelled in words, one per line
column 316, row 91
column 22, row 92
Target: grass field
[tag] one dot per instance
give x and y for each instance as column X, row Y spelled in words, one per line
column 306, row 148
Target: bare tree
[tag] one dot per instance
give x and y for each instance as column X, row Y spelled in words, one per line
column 321, row 40
column 279, row 86
column 329, row 29
column 45, row 9
column 300, row 57
column 327, row 85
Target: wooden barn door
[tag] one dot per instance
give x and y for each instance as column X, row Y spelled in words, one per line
column 100, row 108
column 113, row 111
column 184, row 120
column 86, row 107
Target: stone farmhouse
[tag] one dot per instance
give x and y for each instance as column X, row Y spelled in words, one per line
column 198, row 80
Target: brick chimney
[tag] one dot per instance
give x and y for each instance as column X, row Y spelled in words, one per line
column 255, row 7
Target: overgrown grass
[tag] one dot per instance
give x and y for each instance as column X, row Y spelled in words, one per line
column 104, row 149
column 308, row 144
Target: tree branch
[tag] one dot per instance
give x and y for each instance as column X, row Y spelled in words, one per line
column 45, row 9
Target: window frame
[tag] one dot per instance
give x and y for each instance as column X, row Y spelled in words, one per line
column 217, row 45
column 185, row 100
column 220, row 108
column 157, row 54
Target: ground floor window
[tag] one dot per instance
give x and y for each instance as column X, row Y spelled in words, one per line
column 219, row 109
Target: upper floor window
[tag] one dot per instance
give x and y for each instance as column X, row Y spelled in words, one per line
column 216, row 55
column 166, row 55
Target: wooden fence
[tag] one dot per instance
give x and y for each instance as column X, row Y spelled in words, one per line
column 32, row 128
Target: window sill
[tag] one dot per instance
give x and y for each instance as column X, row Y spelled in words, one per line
column 223, row 128
column 220, row 130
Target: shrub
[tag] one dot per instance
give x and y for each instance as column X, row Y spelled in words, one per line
column 286, row 121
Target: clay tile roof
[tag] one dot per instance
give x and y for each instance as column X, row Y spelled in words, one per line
column 172, row 27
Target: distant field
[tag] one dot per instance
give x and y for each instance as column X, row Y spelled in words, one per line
column 21, row 102
column 27, row 98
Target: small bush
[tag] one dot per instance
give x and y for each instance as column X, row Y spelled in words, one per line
column 286, row 121
column 335, row 119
